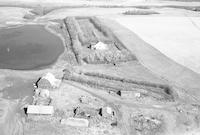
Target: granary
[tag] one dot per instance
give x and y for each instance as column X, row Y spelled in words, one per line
column 48, row 82
column 99, row 46
column 40, row 110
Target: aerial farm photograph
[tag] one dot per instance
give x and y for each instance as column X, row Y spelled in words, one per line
column 99, row 67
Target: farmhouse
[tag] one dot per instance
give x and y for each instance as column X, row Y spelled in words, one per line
column 99, row 46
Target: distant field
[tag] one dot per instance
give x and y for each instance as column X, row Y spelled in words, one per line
column 184, row 0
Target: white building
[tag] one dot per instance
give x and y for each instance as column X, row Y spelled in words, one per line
column 99, row 46
column 40, row 110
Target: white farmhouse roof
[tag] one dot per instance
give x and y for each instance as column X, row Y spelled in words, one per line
column 100, row 46
column 40, row 109
column 51, row 78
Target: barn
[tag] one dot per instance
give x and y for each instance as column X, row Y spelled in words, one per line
column 48, row 81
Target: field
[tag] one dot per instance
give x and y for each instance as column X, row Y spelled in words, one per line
column 147, row 27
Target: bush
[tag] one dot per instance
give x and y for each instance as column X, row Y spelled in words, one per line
column 103, row 57
column 166, row 89
column 106, row 82
column 73, row 33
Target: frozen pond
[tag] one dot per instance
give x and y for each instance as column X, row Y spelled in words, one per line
column 28, row 47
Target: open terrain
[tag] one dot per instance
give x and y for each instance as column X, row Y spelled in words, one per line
column 127, row 68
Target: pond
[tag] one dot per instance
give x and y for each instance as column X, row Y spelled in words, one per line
column 28, row 47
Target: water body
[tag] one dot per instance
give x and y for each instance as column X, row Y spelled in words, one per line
column 28, row 47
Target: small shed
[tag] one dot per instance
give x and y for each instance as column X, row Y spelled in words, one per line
column 127, row 94
column 40, row 110
column 48, row 82
column 106, row 111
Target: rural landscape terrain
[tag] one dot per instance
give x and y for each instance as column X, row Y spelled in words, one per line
column 99, row 67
